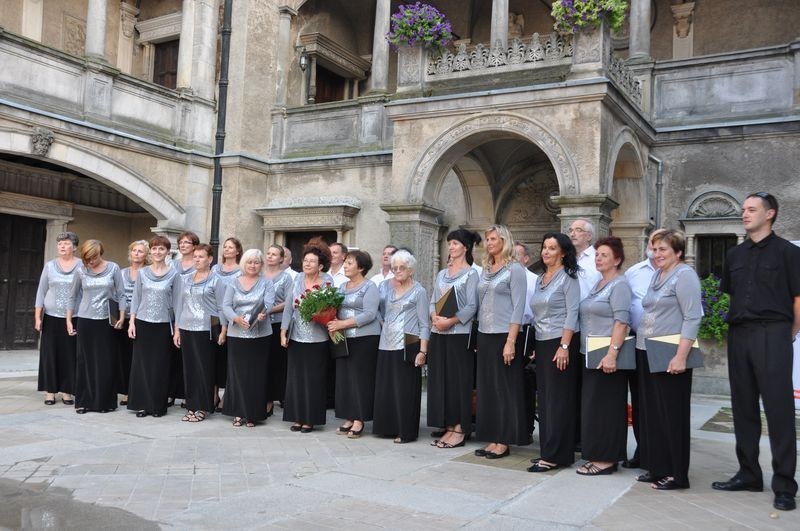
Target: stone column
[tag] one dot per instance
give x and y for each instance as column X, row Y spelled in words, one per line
column 284, row 56
column 379, row 80
column 640, row 30
column 596, row 208
column 32, row 16
column 499, row 23
column 185, row 47
column 204, row 50
column 128, row 14
column 416, row 226
column 96, row 29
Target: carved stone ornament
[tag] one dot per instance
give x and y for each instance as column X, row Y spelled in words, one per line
column 682, row 13
column 516, row 25
column 41, row 140
column 714, row 205
column 624, row 78
column 74, row 35
column 128, row 14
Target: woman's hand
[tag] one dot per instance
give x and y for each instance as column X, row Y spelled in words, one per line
column 677, row 365
column 334, row 326
column 561, row 358
column 262, row 316
column 508, row 352
column 223, row 335
column 176, row 338
column 132, row 330
column 419, row 361
column 284, row 339
column 120, row 321
column 242, row 322
column 37, row 324
column 70, row 329
column 608, row 364
column 443, row 324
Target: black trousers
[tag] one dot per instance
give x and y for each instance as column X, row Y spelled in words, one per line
column 668, row 425
column 760, row 362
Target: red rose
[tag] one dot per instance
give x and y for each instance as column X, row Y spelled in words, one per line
column 316, row 286
column 329, row 284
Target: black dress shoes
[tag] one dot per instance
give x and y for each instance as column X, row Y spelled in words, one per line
column 631, row 463
column 480, row 452
column 784, row 501
column 736, row 484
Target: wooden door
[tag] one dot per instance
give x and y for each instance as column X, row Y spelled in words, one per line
column 21, row 260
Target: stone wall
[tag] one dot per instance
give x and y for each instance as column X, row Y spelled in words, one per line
column 11, row 16
column 157, row 8
column 116, row 231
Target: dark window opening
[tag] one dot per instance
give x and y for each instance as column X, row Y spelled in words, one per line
column 295, row 241
column 165, row 64
column 330, row 87
column 711, row 252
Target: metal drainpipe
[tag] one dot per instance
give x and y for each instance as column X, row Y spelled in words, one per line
column 222, row 108
column 659, row 187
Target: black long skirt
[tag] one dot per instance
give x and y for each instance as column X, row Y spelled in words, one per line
column 246, row 388
column 276, row 368
column 97, row 366
column 355, row 379
column 306, row 383
column 199, row 353
column 56, row 356
column 557, row 392
column 221, row 366
column 669, row 451
column 150, row 371
column 125, row 347
column 177, row 384
column 450, row 378
column 604, row 423
column 398, row 394
column 648, row 411
column 500, row 415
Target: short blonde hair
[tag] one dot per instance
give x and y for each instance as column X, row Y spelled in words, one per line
column 144, row 244
column 675, row 239
column 251, row 254
column 90, row 250
column 507, row 253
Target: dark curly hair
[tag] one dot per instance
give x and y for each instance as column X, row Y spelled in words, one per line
column 319, row 248
column 570, row 260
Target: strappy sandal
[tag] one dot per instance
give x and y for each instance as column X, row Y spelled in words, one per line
column 437, row 442
column 447, row 445
column 250, row 424
column 199, row 416
column 237, row 422
column 188, row 417
column 540, row 466
column 344, row 429
column 590, row 469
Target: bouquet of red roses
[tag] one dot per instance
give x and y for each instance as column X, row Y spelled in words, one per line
column 320, row 304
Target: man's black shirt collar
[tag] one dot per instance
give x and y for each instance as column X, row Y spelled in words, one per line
column 763, row 242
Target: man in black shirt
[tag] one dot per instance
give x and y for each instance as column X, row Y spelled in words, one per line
column 762, row 276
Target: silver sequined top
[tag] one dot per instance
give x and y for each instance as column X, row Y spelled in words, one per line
column 465, row 287
column 406, row 314
column 196, row 302
column 303, row 332
column 241, row 302
column 363, row 304
column 94, row 290
column 283, row 285
column 556, row 306
column 54, row 289
column 671, row 306
column 129, row 282
column 153, row 295
column 602, row 308
column 501, row 298
column 179, row 268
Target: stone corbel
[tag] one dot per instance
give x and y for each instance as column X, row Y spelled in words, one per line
column 683, row 14
column 596, row 208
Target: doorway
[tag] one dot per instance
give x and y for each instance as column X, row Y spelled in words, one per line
column 21, row 259
column 295, row 241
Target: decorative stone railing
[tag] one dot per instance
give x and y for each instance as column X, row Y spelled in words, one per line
column 624, row 79
column 529, row 53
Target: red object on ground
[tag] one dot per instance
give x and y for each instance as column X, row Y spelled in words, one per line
column 630, row 415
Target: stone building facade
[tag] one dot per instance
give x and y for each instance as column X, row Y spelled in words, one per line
column 108, row 111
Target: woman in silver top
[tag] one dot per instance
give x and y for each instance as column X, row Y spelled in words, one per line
column 556, row 302
column 398, row 378
column 276, row 366
column 95, row 283
column 500, row 385
column 451, row 367
column 307, row 343
column 355, row 373
column 227, row 270
column 151, row 330
column 198, row 305
column 248, row 300
column 672, row 305
column 604, row 394
column 138, row 257
column 56, row 348
column 187, row 241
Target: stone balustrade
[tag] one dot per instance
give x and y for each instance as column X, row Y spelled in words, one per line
column 42, row 78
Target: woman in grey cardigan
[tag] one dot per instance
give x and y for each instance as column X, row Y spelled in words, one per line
column 355, row 373
column 672, row 305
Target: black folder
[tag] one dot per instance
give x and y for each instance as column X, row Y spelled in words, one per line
column 340, row 349
column 447, row 305
column 113, row 312
column 597, row 348
column 257, row 310
column 411, row 348
column 661, row 350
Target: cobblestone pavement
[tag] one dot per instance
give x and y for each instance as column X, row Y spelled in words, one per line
column 62, row 470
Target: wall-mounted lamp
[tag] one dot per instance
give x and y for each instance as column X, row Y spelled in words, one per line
column 303, row 61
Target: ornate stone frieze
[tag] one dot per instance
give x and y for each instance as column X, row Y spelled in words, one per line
column 537, row 51
column 16, row 203
column 332, row 212
column 41, row 140
column 714, row 205
column 74, row 35
column 624, row 78
column 160, row 28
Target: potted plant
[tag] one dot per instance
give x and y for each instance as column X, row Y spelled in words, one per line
column 416, row 29
column 573, row 16
column 713, row 333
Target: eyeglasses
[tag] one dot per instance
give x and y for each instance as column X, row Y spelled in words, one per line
column 397, row 269
column 576, row 230
column 185, row 242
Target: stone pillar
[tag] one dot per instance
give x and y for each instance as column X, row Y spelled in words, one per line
column 284, row 55
column 128, row 14
column 499, row 30
column 312, row 80
column 640, row 30
column 185, row 46
column 32, row 16
column 683, row 36
column 691, row 252
column 596, row 208
column 417, row 227
column 96, row 29
column 204, row 49
column 379, row 80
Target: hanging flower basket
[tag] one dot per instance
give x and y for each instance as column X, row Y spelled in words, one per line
column 419, row 25
column 573, row 16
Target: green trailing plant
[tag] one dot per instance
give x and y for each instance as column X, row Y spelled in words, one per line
column 421, row 24
column 572, row 16
column 716, row 305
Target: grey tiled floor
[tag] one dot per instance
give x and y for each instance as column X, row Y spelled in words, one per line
column 114, row 470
